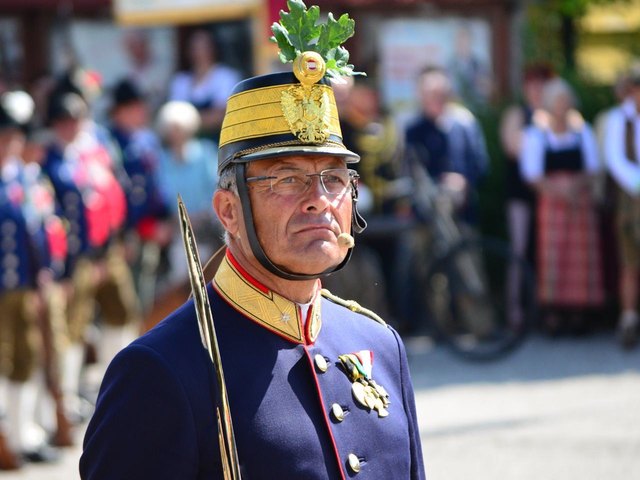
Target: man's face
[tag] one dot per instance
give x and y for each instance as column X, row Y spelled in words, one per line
column 34, row 152
column 10, row 143
column 131, row 116
column 67, row 129
column 299, row 232
column 434, row 94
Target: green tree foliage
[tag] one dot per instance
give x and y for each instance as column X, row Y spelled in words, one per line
column 550, row 30
column 574, row 8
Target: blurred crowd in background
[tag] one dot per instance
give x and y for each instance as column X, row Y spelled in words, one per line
column 91, row 256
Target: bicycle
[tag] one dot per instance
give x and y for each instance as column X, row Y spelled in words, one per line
column 477, row 294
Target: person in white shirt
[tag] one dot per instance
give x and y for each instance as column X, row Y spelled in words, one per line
column 559, row 158
column 145, row 70
column 207, row 85
column 622, row 154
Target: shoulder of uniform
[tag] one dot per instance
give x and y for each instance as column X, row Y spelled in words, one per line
column 352, row 305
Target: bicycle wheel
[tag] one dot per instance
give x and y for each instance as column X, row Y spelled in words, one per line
column 480, row 298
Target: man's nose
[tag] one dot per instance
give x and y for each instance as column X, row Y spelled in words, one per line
column 316, row 196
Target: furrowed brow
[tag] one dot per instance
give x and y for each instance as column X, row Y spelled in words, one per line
column 287, row 169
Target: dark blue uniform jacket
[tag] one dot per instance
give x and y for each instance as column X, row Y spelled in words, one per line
column 155, row 416
column 18, row 265
column 140, row 152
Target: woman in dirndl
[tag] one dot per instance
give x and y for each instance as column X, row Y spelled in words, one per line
column 559, row 159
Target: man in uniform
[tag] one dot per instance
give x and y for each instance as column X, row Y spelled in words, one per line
column 318, row 388
column 26, row 261
column 138, row 149
column 93, row 203
column 622, row 154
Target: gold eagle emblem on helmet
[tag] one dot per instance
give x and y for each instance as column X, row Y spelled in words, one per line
column 306, row 106
column 306, row 112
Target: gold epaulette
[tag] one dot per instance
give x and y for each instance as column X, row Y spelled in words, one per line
column 352, row 305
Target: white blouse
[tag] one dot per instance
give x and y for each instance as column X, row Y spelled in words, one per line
column 537, row 140
column 624, row 170
column 214, row 88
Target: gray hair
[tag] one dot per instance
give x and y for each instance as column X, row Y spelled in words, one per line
column 227, row 180
column 555, row 88
column 178, row 114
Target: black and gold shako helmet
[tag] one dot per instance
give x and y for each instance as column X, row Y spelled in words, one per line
column 290, row 113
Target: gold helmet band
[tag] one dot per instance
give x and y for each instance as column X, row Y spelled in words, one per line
column 282, row 114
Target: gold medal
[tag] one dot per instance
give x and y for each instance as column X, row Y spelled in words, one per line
column 358, row 393
column 383, row 412
column 380, row 389
column 366, row 391
column 380, row 407
column 370, row 397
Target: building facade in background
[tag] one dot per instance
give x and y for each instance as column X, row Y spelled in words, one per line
column 395, row 39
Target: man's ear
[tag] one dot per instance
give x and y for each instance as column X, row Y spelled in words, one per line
column 227, row 206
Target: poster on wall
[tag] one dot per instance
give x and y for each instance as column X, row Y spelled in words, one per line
column 461, row 46
column 145, row 55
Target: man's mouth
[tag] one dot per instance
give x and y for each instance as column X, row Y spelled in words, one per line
column 318, row 228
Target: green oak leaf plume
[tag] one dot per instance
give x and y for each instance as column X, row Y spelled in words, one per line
column 299, row 31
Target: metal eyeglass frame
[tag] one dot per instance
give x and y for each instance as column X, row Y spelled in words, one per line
column 352, row 174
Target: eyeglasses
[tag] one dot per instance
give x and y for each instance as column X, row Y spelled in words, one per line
column 334, row 181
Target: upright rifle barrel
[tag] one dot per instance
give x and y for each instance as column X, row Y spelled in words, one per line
column 228, row 450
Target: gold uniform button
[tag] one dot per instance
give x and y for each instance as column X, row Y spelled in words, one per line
column 321, row 363
column 337, row 411
column 354, row 462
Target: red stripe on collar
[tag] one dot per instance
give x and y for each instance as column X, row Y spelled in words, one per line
column 246, row 274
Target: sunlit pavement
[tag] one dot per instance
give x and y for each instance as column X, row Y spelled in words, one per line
column 557, row 409
column 65, row 469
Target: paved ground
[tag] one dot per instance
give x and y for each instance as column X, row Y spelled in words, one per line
column 556, row 410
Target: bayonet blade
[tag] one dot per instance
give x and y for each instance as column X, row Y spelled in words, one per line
column 226, row 437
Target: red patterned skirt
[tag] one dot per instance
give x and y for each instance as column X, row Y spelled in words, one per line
column 569, row 261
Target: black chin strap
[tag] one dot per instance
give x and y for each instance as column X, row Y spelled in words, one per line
column 243, row 192
column 358, row 223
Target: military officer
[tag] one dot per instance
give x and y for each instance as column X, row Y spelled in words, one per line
column 139, row 150
column 94, row 206
column 318, row 388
